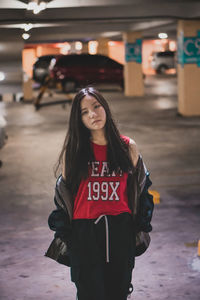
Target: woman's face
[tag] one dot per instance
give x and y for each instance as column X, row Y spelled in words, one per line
column 93, row 114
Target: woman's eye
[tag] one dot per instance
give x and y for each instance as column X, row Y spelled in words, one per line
column 97, row 105
column 83, row 113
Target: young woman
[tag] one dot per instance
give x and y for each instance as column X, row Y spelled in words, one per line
column 102, row 182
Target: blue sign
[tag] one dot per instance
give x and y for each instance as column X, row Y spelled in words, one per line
column 189, row 49
column 133, row 51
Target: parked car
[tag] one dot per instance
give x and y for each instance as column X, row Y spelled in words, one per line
column 41, row 67
column 75, row 70
column 162, row 61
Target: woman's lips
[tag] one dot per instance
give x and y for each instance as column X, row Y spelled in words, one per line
column 96, row 121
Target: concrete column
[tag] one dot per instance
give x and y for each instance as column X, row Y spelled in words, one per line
column 28, row 58
column 85, row 48
column 133, row 76
column 103, row 46
column 188, row 67
column 27, row 88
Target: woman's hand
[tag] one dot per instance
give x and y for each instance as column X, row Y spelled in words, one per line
column 133, row 152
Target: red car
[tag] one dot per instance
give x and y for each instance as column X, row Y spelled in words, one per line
column 76, row 70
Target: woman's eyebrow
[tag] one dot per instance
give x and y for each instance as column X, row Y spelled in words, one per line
column 84, row 108
column 95, row 102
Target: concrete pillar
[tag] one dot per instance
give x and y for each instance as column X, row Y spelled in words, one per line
column 103, row 46
column 73, row 47
column 133, row 76
column 27, row 88
column 166, row 46
column 85, row 48
column 188, row 67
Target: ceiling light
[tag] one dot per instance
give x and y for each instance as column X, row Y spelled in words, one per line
column 42, row 5
column 36, row 6
column 2, row 76
column 92, row 47
column 110, row 33
column 78, row 46
column 65, row 48
column 27, row 27
column 163, row 35
column 26, row 36
column 31, row 5
column 36, row 10
column 172, row 46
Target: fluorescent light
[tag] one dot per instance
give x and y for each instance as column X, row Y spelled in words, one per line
column 35, row 7
column 92, row 47
column 26, row 36
column 42, row 5
column 163, row 35
column 27, row 27
column 36, row 10
column 65, row 48
column 31, row 5
column 110, row 33
column 78, row 46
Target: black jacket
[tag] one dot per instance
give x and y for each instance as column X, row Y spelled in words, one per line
column 140, row 202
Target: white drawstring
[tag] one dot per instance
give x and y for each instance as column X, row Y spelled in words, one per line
column 107, row 235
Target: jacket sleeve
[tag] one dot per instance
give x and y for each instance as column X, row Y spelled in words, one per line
column 145, row 209
column 59, row 221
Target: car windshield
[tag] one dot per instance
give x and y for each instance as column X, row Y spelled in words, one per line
column 166, row 53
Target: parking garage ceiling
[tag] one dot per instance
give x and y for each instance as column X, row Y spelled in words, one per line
column 64, row 20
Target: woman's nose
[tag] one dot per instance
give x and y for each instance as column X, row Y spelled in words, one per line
column 91, row 113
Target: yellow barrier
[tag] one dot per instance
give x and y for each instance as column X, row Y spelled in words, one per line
column 198, row 251
column 156, row 196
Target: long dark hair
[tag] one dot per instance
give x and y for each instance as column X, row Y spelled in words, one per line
column 77, row 151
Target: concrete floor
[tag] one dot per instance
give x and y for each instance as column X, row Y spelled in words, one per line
column 170, row 146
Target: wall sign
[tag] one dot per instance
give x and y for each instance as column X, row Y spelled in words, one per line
column 133, row 51
column 188, row 49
